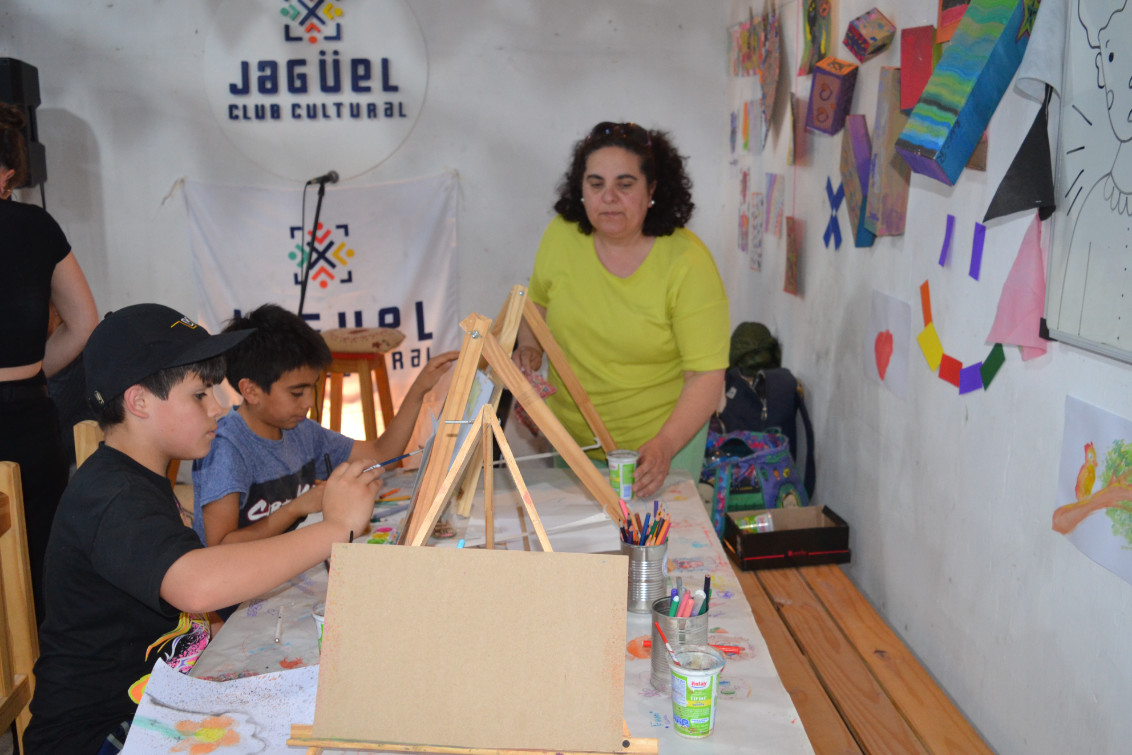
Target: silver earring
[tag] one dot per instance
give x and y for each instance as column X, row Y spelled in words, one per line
column 583, row 200
column 652, row 202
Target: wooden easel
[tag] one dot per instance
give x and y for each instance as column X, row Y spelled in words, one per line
column 481, row 345
column 516, row 308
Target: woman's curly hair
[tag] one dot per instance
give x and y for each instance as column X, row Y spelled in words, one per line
column 661, row 164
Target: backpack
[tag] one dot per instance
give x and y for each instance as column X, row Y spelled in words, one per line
column 772, row 399
column 750, row 470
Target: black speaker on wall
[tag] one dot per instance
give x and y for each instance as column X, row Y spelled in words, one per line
column 19, row 86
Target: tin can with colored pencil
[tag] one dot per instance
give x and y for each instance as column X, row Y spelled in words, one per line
column 646, row 574
column 622, row 469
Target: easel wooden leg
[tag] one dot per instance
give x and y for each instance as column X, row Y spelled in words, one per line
column 488, row 488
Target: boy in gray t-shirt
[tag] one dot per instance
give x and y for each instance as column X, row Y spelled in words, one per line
column 260, row 478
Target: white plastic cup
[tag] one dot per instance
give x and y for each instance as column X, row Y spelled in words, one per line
column 318, row 613
column 695, row 689
column 622, row 470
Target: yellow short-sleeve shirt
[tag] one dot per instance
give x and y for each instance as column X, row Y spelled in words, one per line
column 630, row 340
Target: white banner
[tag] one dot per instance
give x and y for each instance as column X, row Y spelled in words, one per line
column 383, row 257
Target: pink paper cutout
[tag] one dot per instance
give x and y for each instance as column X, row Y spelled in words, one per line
column 1022, row 303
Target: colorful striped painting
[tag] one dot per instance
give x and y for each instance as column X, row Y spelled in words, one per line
column 966, row 86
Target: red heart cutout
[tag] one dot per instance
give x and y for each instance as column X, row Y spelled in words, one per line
column 883, row 349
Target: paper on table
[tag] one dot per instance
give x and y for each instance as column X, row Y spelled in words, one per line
column 557, row 511
column 252, row 715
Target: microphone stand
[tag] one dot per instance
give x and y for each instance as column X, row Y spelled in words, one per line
column 310, row 249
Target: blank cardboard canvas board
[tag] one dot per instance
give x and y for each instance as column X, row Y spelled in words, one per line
column 473, row 648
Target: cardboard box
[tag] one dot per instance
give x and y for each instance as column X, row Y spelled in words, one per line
column 803, row 536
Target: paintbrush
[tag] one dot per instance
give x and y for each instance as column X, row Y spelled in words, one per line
column 665, row 639
column 395, row 458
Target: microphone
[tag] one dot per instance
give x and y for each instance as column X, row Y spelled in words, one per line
column 330, row 177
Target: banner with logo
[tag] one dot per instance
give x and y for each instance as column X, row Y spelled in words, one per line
column 383, row 256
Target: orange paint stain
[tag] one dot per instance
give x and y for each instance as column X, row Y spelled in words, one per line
column 637, row 648
column 289, row 663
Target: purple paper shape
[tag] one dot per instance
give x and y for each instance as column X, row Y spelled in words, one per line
column 977, row 250
column 971, row 378
column 947, row 240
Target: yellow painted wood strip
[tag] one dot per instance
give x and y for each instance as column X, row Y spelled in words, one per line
column 935, row 718
column 301, row 736
column 827, row 731
column 872, row 717
column 566, row 372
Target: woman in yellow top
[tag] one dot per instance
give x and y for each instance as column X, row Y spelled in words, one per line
column 635, row 301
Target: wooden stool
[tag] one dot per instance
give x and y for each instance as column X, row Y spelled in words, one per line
column 359, row 351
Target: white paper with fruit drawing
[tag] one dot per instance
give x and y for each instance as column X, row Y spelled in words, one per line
column 1094, row 486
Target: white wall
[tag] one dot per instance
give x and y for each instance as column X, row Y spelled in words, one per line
column 511, row 86
column 949, row 498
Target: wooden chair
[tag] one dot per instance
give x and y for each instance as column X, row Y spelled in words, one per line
column 19, row 640
column 361, row 352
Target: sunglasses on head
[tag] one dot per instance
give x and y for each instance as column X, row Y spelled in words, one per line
column 630, row 132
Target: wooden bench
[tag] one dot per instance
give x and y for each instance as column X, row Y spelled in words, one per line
column 857, row 687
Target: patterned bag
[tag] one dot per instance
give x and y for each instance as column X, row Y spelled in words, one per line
column 750, row 470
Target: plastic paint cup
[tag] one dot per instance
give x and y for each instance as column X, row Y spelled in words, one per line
column 622, row 469
column 318, row 613
column 695, row 688
column 759, row 522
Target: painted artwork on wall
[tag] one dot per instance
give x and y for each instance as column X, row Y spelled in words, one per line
column 856, row 154
column 817, row 32
column 775, row 203
column 755, row 209
column 770, row 62
column 793, row 252
column 888, row 174
column 950, row 13
column 869, row 34
column 966, row 86
column 888, row 341
column 1090, row 278
column 1094, row 486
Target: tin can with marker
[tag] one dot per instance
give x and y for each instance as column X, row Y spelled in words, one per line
column 622, row 469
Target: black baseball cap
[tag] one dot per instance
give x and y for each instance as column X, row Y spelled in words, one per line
column 134, row 342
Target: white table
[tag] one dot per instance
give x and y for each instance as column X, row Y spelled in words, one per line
column 755, row 714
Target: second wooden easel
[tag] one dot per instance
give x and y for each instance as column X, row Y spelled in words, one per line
column 481, row 345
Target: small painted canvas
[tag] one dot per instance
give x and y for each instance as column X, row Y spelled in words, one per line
column 793, row 252
column 950, row 14
column 919, row 53
column 856, row 155
column 888, row 174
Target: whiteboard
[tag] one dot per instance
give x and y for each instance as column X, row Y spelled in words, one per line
column 1089, row 290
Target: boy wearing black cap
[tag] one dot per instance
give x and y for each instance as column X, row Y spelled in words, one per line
column 126, row 582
